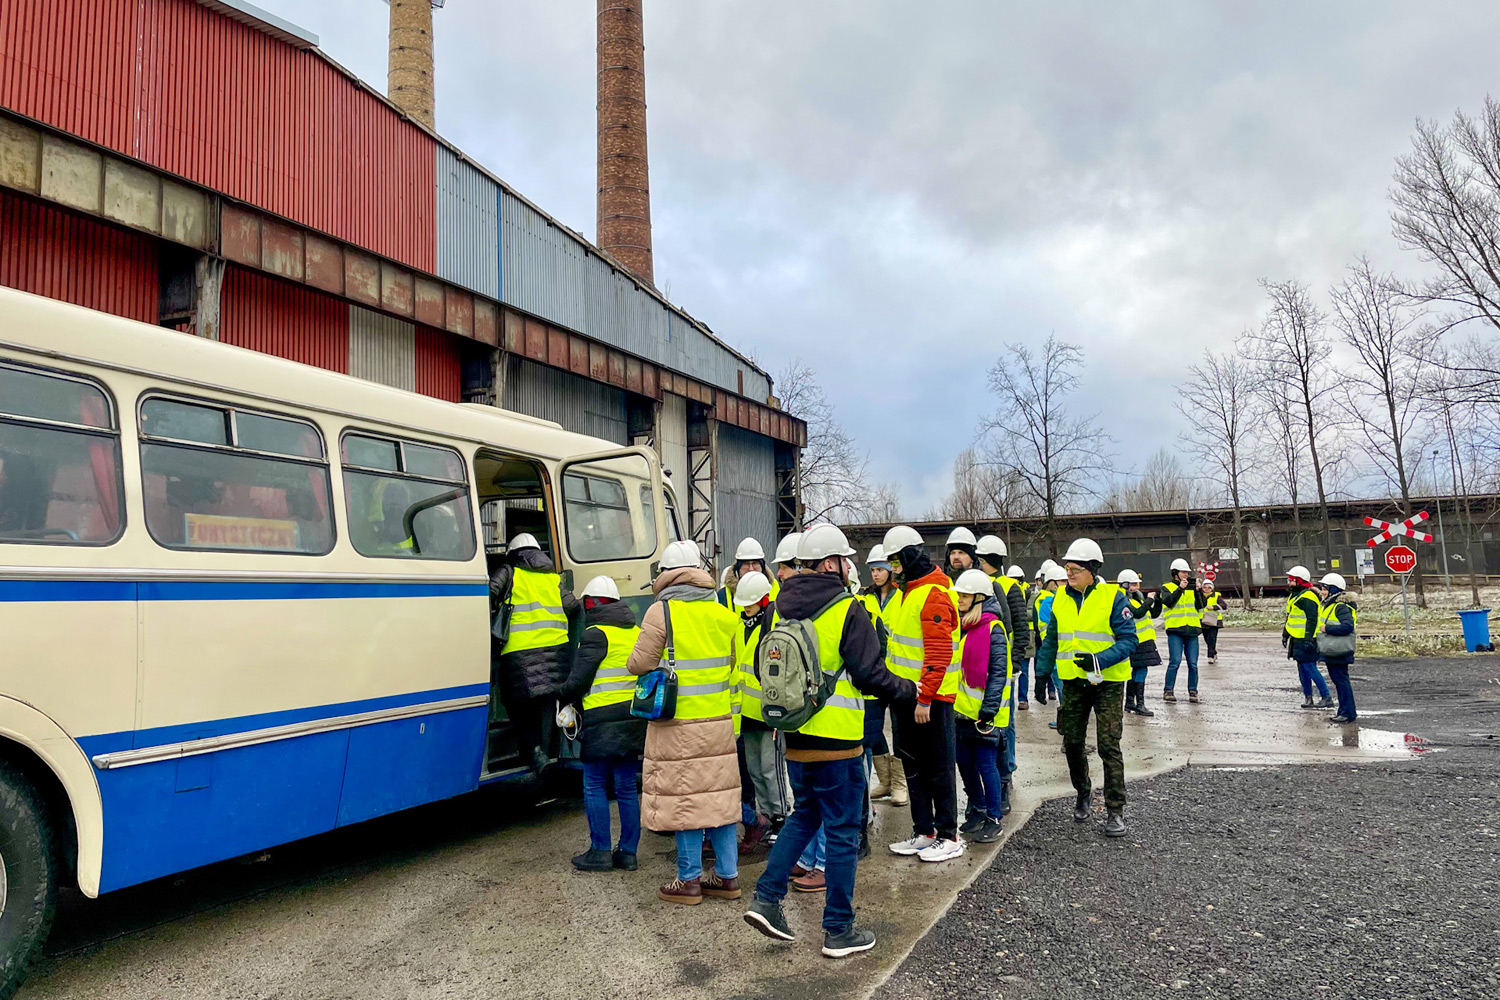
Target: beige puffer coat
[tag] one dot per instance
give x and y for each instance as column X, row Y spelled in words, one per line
column 690, row 779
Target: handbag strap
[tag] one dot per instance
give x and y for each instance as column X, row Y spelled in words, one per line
column 666, row 613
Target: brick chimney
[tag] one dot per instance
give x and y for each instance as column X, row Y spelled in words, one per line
column 624, row 182
column 409, row 76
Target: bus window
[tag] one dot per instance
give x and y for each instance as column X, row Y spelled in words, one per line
column 406, row 500
column 648, row 515
column 598, row 521
column 674, row 533
column 59, row 460
column 219, row 478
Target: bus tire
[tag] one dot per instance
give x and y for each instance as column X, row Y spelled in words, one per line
column 28, row 877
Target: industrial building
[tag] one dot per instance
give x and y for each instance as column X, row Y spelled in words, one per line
column 201, row 164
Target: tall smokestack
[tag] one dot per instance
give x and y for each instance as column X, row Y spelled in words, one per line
column 624, row 181
column 409, row 76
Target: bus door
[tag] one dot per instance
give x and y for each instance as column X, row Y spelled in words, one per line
column 614, row 521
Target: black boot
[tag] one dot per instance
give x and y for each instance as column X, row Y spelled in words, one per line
column 1081, row 808
column 1005, row 797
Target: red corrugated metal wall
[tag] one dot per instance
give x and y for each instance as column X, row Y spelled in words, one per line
column 194, row 93
column 48, row 251
column 439, row 370
column 283, row 319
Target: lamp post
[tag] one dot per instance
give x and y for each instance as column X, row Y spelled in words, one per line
column 1442, row 536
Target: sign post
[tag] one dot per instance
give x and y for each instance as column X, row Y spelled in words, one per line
column 1401, row 560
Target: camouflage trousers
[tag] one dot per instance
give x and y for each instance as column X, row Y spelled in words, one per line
column 1107, row 702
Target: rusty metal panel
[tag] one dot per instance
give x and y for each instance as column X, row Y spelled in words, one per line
column 290, row 321
column 458, row 307
column 486, row 323
column 382, row 348
column 361, row 278
column 281, row 249
column 427, row 306
column 579, row 404
column 325, row 263
column 598, row 362
column 578, row 356
column 632, row 374
column 616, row 368
column 514, row 338
column 468, row 236
column 536, row 340
column 650, row 381
column 395, row 289
column 439, row 364
column 241, row 239
column 557, row 348
column 20, row 156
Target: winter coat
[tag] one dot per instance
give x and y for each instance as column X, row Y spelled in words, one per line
column 691, row 776
column 984, row 668
column 1017, row 619
column 611, row 731
column 529, row 673
column 939, row 620
column 1304, row 650
column 1146, row 653
column 1336, row 641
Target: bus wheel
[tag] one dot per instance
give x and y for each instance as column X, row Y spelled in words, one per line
column 28, row 877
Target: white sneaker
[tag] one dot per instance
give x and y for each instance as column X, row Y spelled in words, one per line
column 915, row 845
column 942, row 850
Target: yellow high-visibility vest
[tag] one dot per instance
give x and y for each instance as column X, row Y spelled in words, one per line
column 537, row 620
column 1298, row 623
column 1145, row 628
column 613, row 681
column 903, row 654
column 702, row 640
column 744, row 662
column 1086, row 629
column 842, row 716
column 1183, row 614
column 969, row 700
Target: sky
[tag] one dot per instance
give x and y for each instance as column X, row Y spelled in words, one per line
column 891, row 191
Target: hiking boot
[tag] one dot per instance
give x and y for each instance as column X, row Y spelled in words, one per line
column 989, row 833
column 798, row 871
column 915, row 845
column 1114, row 826
column 688, row 892
column 1307, row 702
column 755, row 835
column 813, row 881
column 848, row 943
column 1169, row 695
column 769, row 920
column 1339, row 720
column 624, row 860
column 719, row 887
column 1192, row 697
column 973, row 823
column 1023, row 706
column 942, row 850
column 1142, row 710
column 864, row 845
column 1327, row 702
column 1005, row 786
column 593, row 860
column 1081, row 808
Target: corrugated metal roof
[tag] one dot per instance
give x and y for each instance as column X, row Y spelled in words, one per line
column 263, row 20
column 468, row 232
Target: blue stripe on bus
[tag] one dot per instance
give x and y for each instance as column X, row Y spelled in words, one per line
column 22, row 591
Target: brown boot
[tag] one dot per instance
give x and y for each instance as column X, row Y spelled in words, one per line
column 721, row 888
column 899, row 795
column 813, row 881
column 882, row 787
column 688, row 893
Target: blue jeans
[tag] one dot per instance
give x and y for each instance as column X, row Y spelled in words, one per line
column 828, row 794
column 979, row 766
column 1177, row 647
column 1309, row 674
column 1138, row 674
column 1339, row 672
column 726, row 851
column 1023, row 680
column 816, row 855
column 597, row 775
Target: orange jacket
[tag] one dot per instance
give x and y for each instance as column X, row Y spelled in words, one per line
column 939, row 623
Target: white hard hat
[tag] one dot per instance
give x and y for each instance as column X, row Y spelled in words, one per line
column 749, row 549
column 1334, row 580
column 1054, row 572
column 960, row 536
column 1016, row 573
column 1180, row 564
column 1300, row 573
column 1128, row 576
column 989, row 545
column 821, row 541
column 601, row 586
column 898, row 538
column 752, row 589
column 786, row 549
column 973, row 581
column 877, row 555
column 1047, row 564
column 680, row 554
column 1084, row 550
column 522, row 541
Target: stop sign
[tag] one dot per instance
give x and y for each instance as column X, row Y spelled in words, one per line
column 1400, row 559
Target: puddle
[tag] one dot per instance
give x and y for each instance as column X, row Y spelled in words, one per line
column 1358, row 738
column 1386, row 711
column 1239, row 767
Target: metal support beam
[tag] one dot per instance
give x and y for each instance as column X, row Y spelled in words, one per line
column 703, row 437
column 789, row 509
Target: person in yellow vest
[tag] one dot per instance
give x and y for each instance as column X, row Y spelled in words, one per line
column 532, row 615
column 1213, row 620
column 1015, row 616
column 1300, row 634
column 764, row 753
column 690, row 779
column 1089, row 641
column 982, row 707
column 1336, row 642
column 1050, row 577
column 882, row 601
column 1145, row 654
column 825, row 756
column 784, row 563
column 610, row 739
column 749, row 557
column 1180, row 603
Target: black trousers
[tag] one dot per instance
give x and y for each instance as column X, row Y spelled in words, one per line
column 1211, row 639
column 927, row 753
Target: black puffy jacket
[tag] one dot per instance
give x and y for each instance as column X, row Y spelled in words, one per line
column 529, row 673
column 610, row 731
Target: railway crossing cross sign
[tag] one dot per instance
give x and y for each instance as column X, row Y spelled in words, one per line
column 1406, row 528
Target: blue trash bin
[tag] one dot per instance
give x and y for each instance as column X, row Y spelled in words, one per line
column 1476, row 624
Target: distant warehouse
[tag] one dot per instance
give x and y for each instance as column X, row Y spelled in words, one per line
column 201, row 165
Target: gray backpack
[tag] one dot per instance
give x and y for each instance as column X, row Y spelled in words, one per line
column 793, row 684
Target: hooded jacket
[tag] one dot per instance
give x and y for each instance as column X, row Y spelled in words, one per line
column 1304, row 650
column 530, row 673
column 859, row 649
column 610, row 731
column 984, row 668
column 939, row 623
column 1336, row 643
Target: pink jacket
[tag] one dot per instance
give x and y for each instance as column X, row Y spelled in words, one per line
column 976, row 656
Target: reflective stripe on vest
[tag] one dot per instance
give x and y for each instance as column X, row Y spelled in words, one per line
column 613, row 682
column 703, row 644
column 536, row 620
column 744, row 661
column 1330, row 610
column 1145, row 629
column 1036, row 613
column 1086, row 630
column 903, row 654
column 842, row 716
column 1183, row 614
column 879, row 615
column 1298, row 625
column 969, row 700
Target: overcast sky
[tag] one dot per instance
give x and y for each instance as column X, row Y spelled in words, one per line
column 891, row 190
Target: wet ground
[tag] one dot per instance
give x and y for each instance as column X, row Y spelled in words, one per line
column 475, row 898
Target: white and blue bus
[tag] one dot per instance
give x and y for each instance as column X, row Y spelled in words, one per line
column 244, row 601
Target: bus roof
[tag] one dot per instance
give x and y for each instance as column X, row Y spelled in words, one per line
column 50, row 328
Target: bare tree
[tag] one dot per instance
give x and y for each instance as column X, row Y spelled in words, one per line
column 1162, row 485
column 976, row 491
column 1282, row 449
column 1218, row 393
column 882, row 507
column 1040, row 436
column 833, row 481
column 1453, row 411
column 1293, row 350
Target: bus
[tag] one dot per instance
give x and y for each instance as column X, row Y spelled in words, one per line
column 244, row 601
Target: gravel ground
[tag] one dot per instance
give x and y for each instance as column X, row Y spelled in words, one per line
column 1376, row 881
